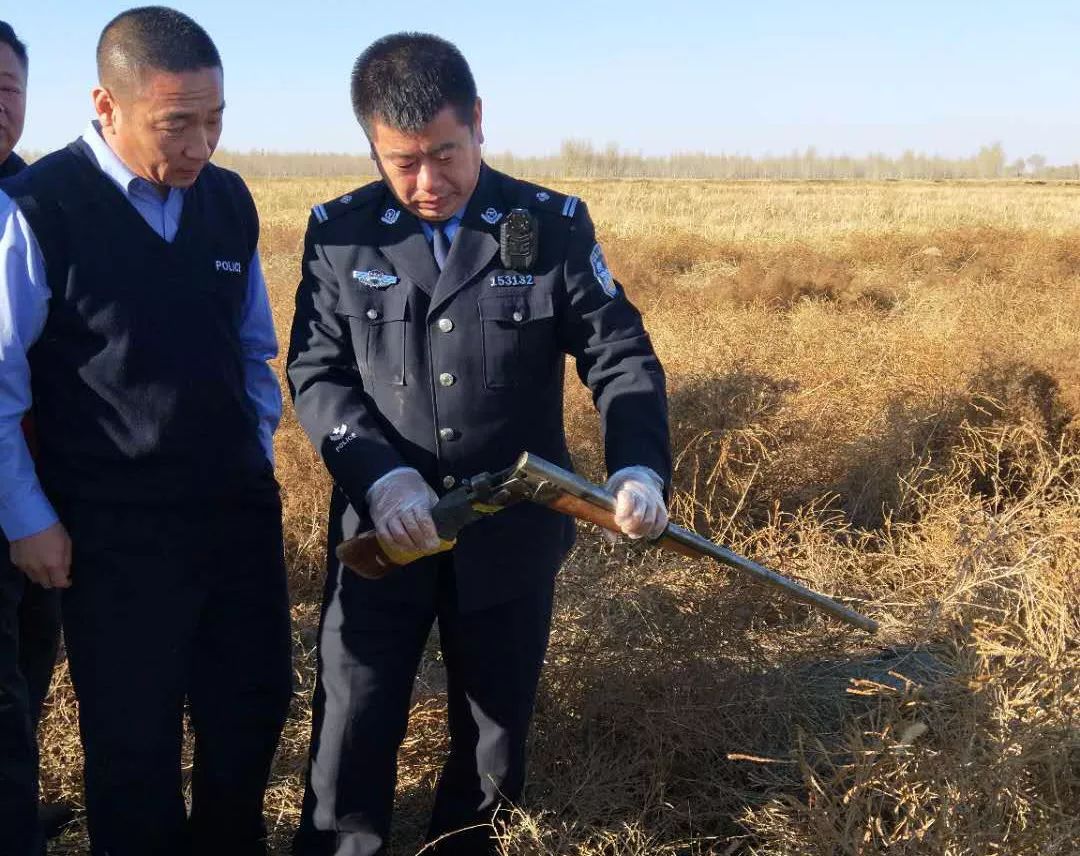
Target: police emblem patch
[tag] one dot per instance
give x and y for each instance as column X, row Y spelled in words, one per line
column 390, row 216
column 602, row 272
column 374, row 278
column 341, row 436
column 346, row 199
column 491, row 216
column 543, row 196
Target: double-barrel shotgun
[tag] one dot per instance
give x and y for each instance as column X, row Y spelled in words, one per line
column 533, row 479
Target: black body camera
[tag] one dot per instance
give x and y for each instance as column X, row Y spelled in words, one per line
column 519, row 240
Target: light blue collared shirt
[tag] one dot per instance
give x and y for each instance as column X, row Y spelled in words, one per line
column 450, row 226
column 24, row 306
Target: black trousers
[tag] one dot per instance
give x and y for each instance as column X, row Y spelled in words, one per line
column 29, row 636
column 369, row 651
column 169, row 606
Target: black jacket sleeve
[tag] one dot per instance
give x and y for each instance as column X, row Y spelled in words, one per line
column 326, row 386
column 603, row 331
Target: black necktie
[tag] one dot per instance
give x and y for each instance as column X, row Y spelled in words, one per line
column 440, row 244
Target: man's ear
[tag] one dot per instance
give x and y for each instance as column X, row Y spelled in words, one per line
column 478, row 121
column 106, row 107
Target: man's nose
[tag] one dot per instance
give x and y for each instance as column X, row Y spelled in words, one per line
column 199, row 147
column 426, row 178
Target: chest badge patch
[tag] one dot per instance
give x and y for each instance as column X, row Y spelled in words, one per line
column 374, row 278
column 228, row 267
column 602, row 272
column 390, row 216
column 491, row 216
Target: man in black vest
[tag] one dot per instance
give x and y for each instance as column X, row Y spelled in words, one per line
column 421, row 354
column 29, row 613
column 141, row 332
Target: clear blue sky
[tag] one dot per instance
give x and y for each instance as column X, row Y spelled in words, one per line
column 657, row 77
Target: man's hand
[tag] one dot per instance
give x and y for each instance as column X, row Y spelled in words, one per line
column 400, row 505
column 45, row 557
column 639, row 502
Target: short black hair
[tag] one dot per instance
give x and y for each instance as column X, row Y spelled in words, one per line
column 8, row 37
column 405, row 79
column 152, row 37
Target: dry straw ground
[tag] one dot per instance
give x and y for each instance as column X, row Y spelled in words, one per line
column 874, row 388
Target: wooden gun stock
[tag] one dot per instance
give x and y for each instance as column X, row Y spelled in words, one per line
column 367, row 556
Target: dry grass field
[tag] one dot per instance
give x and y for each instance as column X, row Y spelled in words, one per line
column 875, row 389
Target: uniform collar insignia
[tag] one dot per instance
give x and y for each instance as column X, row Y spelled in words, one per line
column 374, row 278
column 390, row 216
column 491, row 216
column 543, row 196
column 346, row 199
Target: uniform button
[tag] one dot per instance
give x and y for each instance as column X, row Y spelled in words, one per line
column 447, row 379
column 447, row 434
column 518, row 316
column 373, row 314
column 446, row 325
column 448, row 482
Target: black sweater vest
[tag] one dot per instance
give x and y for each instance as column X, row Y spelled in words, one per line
column 138, row 377
column 11, row 165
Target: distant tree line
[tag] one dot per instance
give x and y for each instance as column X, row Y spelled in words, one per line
column 264, row 164
column 580, row 159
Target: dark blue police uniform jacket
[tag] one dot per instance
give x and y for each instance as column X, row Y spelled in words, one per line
column 394, row 363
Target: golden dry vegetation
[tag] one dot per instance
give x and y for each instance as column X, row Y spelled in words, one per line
column 874, row 389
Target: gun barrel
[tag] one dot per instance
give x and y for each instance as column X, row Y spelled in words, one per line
column 541, row 474
column 690, row 543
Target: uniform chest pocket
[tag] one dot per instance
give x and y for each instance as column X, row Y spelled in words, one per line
column 378, row 325
column 519, row 338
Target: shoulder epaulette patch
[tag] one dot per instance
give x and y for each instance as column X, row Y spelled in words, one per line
column 538, row 198
column 354, row 199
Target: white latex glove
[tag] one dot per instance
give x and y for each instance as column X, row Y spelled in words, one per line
column 639, row 502
column 400, row 505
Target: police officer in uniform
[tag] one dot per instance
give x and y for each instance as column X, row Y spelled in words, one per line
column 140, row 329
column 29, row 613
column 422, row 353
